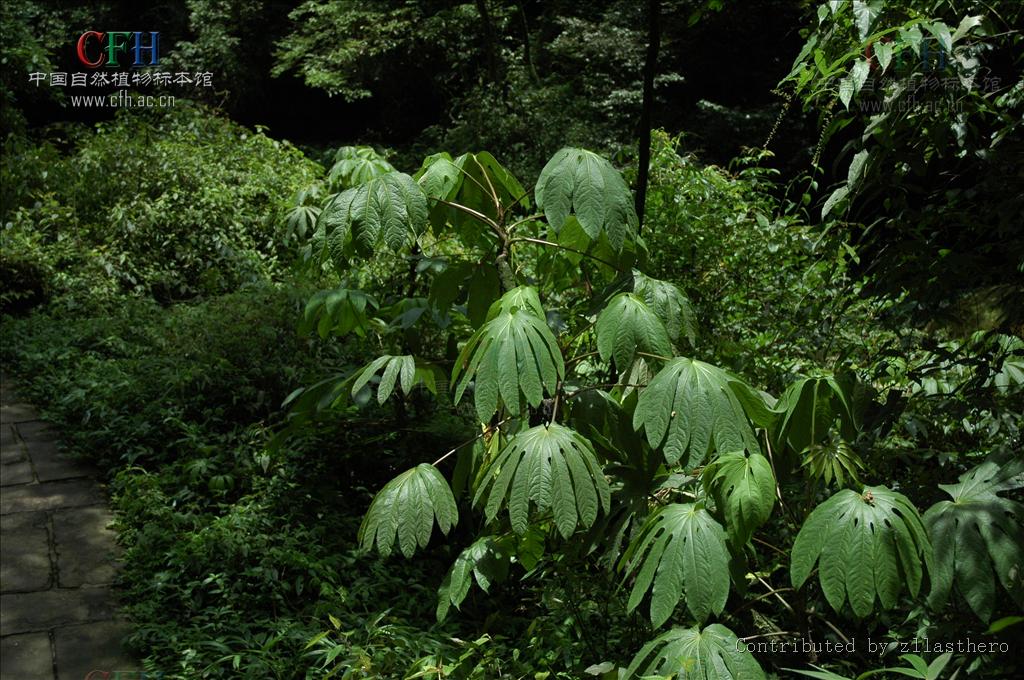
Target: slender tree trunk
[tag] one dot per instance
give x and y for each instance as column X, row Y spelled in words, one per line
column 489, row 49
column 650, row 67
column 526, row 44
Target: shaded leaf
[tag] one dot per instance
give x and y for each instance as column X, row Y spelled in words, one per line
column 979, row 538
column 553, row 468
column 714, row 653
column 679, row 554
column 743, row 487
column 627, row 326
column 669, row 304
column 485, row 561
column 405, row 509
column 867, row 545
column 340, row 311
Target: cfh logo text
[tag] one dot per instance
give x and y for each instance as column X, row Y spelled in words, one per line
column 98, row 48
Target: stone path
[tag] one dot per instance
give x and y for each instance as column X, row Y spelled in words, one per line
column 58, row 614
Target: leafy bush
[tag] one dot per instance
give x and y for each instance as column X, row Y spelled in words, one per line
column 922, row 101
column 595, row 432
column 169, row 204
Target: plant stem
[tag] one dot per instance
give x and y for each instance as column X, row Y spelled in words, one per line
column 764, row 635
column 542, row 242
column 654, row 356
column 523, row 221
column 602, row 386
column 773, row 591
column 470, row 441
column 478, row 215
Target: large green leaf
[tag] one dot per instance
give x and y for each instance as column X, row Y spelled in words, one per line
column 553, row 467
column 679, row 553
column 808, row 409
column 439, row 177
column 865, row 544
column 627, row 326
column 979, row 537
column 405, row 510
column 669, row 303
column 474, row 180
column 689, row 410
column 743, row 487
column 404, row 370
column 300, row 221
column 511, row 357
column 356, row 165
column 486, row 561
column 714, row 653
column 389, row 210
column 579, row 182
column 339, row 311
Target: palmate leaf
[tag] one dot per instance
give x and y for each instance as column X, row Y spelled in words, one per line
column 389, row 211
column 808, row 409
column 579, row 182
column 627, row 326
column 714, row 653
column 669, row 304
column 680, row 553
column 832, row 460
column 690, row 409
column 512, row 357
column 473, row 180
column 405, row 510
column 355, row 165
column 553, row 467
column 979, row 536
column 340, row 311
column 866, row 545
column 404, row 370
column 486, row 561
column 300, row 221
column 743, row 487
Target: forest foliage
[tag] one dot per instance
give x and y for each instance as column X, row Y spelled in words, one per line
column 453, row 410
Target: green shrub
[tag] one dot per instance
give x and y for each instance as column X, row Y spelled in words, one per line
column 170, row 204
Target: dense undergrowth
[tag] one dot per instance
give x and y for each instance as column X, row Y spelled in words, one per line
column 169, row 301
column 241, row 556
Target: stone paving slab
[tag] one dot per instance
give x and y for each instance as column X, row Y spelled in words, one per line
column 45, row 609
column 27, row 657
column 14, row 473
column 58, row 613
column 37, row 433
column 25, row 552
column 102, row 640
column 11, row 448
column 17, row 413
column 85, row 546
column 74, row 493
